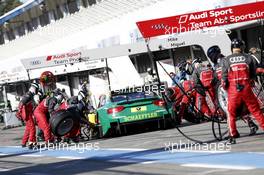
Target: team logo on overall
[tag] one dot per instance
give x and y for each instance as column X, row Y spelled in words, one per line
column 237, row 59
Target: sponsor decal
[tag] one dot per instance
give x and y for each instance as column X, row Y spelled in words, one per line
column 35, row 62
column 65, row 58
column 201, row 20
column 49, row 58
column 139, row 109
column 237, row 59
column 140, row 117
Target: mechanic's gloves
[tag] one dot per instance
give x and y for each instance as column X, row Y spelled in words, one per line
column 51, row 114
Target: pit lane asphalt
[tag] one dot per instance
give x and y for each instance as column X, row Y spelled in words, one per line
column 144, row 153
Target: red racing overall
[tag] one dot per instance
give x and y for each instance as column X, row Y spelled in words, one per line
column 26, row 110
column 76, row 130
column 203, row 78
column 41, row 114
column 238, row 72
column 188, row 86
column 175, row 95
column 181, row 100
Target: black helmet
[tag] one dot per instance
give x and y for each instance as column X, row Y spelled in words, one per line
column 213, row 53
column 237, row 43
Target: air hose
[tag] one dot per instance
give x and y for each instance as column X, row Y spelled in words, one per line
column 193, row 105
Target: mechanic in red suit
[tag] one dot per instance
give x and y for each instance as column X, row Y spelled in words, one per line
column 188, row 97
column 76, row 130
column 204, row 79
column 175, row 95
column 80, row 102
column 181, row 99
column 43, row 111
column 38, row 98
column 238, row 72
column 25, row 110
column 217, row 58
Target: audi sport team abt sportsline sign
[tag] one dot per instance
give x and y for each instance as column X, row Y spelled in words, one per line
column 52, row 60
column 65, row 58
column 201, row 20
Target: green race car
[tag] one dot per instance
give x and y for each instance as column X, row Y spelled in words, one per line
column 127, row 108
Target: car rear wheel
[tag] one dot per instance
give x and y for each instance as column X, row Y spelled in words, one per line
column 222, row 98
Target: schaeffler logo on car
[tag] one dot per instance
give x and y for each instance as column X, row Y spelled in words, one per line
column 65, row 58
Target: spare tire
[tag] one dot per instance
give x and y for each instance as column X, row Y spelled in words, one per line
column 63, row 121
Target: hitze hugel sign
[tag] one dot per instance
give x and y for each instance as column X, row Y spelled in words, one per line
column 202, row 20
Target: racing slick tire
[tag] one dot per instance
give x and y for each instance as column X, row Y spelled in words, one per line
column 63, row 121
column 222, row 97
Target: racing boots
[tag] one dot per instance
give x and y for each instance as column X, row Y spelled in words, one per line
column 231, row 140
column 253, row 128
column 32, row 145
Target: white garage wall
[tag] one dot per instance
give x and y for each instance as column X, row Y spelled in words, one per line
column 123, row 73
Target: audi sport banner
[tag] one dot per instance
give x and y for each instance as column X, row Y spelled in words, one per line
column 52, row 60
column 202, row 20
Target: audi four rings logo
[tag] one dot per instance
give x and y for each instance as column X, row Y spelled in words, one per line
column 35, row 62
column 159, row 26
column 237, row 59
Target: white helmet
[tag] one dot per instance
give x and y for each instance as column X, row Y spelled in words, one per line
column 150, row 70
column 81, row 95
